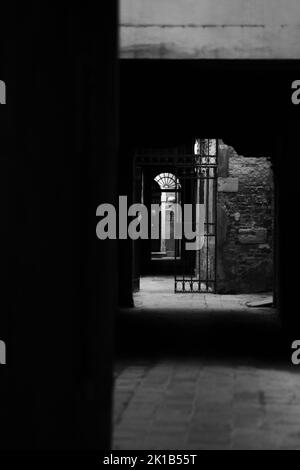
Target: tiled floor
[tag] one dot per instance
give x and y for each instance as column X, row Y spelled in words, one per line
column 209, row 378
column 158, row 293
column 200, row 405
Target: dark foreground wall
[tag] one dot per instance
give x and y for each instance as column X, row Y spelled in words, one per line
column 57, row 163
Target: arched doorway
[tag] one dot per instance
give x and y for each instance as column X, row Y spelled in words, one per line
column 165, row 195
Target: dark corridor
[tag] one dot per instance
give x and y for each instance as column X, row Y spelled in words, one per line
column 189, row 336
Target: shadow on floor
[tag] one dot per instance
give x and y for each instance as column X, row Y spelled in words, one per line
column 254, row 336
column 212, row 326
column 203, row 372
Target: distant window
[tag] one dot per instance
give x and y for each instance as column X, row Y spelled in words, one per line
column 207, row 151
column 167, row 181
column 205, row 147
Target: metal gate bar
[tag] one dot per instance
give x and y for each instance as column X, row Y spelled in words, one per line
column 199, row 172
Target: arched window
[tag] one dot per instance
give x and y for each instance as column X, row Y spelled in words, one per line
column 167, row 181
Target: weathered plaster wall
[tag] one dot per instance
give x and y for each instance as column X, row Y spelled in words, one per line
column 208, row 29
column 245, row 223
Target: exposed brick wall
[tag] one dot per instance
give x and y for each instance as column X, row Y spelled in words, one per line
column 245, row 223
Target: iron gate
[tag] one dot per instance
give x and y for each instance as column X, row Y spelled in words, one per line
column 196, row 195
column 196, row 268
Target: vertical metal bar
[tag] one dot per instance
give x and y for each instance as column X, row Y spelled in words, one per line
column 192, row 269
column 177, row 241
column 134, row 173
column 198, row 189
column 206, row 225
column 183, row 251
column 200, row 200
column 216, row 213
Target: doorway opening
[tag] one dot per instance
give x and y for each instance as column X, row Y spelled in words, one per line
column 181, row 185
column 214, row 213
column 166, row 192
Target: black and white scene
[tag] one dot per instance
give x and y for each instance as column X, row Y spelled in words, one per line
column 149, row 256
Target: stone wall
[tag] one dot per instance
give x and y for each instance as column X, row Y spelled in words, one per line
column 245, row 223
